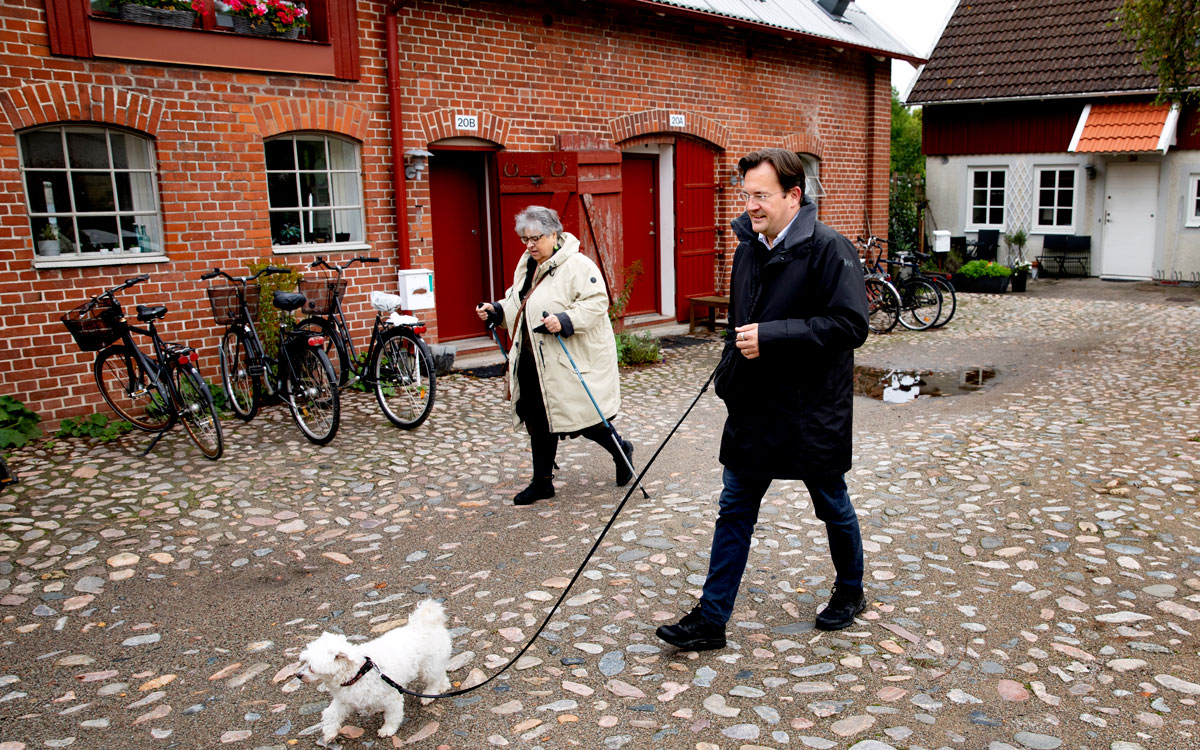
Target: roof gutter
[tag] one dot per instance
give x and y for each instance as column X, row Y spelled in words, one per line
column 716, row 18
column 1035, row 98
column 396, row 115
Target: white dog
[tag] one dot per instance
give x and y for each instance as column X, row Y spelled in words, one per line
column 419, row 649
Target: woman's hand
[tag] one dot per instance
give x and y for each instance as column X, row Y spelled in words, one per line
column 483, row 309
column 552, row 323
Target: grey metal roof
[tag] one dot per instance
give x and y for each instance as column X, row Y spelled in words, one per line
column 805, row 17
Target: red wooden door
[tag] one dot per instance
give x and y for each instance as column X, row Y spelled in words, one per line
column 695, row 223
column 639, row 219
column 460, row 268
column 544, row 178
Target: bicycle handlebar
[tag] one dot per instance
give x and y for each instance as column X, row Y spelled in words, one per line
column 119, row 287
column 320, row 262
column 269, row 271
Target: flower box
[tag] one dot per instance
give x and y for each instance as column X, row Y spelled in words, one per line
column 981, row 285
column 182, row 19
column 244, row 25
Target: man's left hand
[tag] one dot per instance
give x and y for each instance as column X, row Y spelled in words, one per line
column 747, row 340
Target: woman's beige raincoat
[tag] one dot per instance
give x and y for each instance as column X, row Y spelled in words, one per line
column 575, row 287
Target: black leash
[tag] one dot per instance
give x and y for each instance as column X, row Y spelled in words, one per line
column 369, row 665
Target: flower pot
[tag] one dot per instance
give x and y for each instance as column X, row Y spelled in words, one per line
column 183, row 19
column 243, row 25
column 981, row 285
column 48, row 247
column 1018, row 280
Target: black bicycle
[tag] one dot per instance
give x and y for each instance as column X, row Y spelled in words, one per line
column 301, row 374
column 397, row 365
column 150, row 392
column 920, row 299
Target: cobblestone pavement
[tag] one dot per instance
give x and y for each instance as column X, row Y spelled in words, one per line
column 1033, row 563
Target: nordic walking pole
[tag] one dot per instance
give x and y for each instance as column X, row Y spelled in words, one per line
column 611, row 432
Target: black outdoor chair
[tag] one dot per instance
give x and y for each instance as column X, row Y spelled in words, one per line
column 985, row 246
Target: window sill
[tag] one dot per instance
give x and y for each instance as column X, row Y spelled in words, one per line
column 77, row 261
column 123, row 40
column 1000, row 227
column 320, row 247
column 1052, row 230
column 1192, row 223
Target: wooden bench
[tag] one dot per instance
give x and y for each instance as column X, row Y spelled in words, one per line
column 713, row 302
column 1065, row 255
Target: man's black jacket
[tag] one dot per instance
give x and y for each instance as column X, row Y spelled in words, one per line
column 791, row 409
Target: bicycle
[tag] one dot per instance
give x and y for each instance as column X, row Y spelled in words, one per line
column 883, row 300
column 397, row 365
column 150, row 392
column 301, row 374
column 938, row 279
column 920, row 300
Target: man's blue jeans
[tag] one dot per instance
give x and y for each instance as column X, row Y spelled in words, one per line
column 735, row 525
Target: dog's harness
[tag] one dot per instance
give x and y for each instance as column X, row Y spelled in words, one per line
column 367, row 666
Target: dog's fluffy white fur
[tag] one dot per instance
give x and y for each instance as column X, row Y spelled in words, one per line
column 420, row 649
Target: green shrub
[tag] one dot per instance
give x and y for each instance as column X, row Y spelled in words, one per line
column 638, row 349
column 268, row 316
column 616, row 311
column 978, row 269
column 18, row 424
column 97, row 426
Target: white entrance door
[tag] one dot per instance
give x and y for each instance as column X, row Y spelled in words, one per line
column 1130, row 205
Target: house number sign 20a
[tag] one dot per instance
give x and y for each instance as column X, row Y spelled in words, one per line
column 466, row 122
column 677, row 120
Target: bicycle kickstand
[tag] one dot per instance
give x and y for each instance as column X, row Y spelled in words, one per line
column 154, row 442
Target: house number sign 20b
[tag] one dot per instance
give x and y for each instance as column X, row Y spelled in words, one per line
column 466, row 122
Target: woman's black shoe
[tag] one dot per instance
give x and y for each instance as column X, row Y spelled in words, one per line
column 624, row 470
column 540, row 488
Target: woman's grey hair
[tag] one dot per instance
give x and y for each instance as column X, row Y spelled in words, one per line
column 538, row 220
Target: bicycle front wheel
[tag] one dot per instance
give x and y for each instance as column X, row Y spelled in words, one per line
column 921, row 304
column 949, row 301
column 405, row 382
column 883, row 306
column 197, row 410
column 242, row 389
column 129, row 390
column 313, row 394
column 335, row 347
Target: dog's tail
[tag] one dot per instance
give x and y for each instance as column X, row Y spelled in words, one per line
column 428, row 614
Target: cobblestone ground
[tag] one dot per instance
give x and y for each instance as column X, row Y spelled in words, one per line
column 1033, row 563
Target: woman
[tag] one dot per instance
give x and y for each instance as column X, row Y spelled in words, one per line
column 558, row 291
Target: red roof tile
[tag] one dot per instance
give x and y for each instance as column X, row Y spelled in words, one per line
column 1004, row 49
column 1122, row 128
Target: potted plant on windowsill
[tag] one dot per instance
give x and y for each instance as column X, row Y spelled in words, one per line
column 277, row 18
column 48, row 243
column 982, row 276
column 177, row 13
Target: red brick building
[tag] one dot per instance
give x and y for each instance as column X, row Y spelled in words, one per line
column 168, row 151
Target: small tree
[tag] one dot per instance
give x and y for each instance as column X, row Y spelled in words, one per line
column 1165, row 33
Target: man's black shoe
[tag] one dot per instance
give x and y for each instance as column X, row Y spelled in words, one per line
column 693, row 633
column 624, row 472
column 539, row 489
column 845, row 603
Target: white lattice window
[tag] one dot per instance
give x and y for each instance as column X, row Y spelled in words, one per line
column 1193, row 201
column 91, row 193
column 1056, row 191
column 314, row 185
column 986, row 189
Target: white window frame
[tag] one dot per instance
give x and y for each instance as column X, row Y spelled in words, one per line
column 1192, row 201
column 1038, row 227
column 971, row 226
column 812, row 178
column 338, row 205
column 145, row 244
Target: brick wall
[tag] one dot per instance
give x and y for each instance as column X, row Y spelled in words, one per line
column 589, row 69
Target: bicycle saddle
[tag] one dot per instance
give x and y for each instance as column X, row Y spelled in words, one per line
column 288, row 301
column 147, row 313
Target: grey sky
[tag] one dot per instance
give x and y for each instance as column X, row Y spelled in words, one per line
column 917, row 23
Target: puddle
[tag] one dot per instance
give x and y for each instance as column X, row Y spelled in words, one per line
column 901, row 386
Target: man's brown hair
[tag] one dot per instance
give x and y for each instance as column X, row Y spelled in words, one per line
column 788, row 166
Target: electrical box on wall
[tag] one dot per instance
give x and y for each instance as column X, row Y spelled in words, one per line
column 416, row 288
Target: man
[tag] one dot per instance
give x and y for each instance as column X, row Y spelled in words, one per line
column 798, row 309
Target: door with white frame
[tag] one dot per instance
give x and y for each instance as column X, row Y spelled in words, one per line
column 1130, row 206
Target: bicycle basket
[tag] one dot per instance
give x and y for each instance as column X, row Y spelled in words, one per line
column 226, row 301
column 94, row 328
column 321, row 294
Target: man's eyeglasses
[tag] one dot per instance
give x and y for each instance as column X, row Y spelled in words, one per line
column 531, row 240
column 745, row 197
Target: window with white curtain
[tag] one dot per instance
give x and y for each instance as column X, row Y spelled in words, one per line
column 314, row 186
column 1055, row 199
column 90, row 193
column 986, row 190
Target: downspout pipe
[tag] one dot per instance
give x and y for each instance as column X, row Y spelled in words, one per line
column 399, row 183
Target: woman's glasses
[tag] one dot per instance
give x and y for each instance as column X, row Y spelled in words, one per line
column 531, row 240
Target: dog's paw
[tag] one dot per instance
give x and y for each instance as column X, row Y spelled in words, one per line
column 386, row 731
